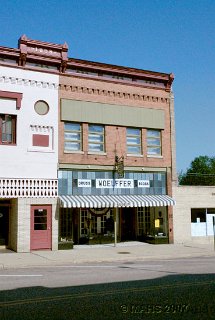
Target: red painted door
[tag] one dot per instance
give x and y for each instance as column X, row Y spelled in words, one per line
column 41, row 227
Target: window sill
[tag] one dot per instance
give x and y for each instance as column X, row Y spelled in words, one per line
column 154, row 156
column 135, row 155
column 97, row 153
column 76, row 152
column 8, row 144
column 41, row 150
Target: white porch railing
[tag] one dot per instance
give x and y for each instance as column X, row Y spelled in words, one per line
column 31, row 188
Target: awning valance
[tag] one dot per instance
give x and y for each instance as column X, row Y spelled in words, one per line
column 116, row 201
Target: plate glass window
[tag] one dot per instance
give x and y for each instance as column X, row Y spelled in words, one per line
column 96, row 138
column 7, row 129
column 133, row 139
column 72, row 136
column 154, row 142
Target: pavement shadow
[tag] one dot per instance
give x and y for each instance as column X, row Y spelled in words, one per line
column 171, row 297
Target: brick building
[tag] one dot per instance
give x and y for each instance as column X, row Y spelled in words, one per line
column 109, row 139
column 116, row 153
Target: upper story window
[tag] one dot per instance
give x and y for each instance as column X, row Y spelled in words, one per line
column 72, row 136
column 154, row 142
column 7, row 129
column 96, row 139
column 133, row 140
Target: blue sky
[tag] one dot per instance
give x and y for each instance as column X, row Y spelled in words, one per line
column 158, row 35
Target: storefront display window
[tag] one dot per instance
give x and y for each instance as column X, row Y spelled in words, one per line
column 152, row 223
column 96, row 228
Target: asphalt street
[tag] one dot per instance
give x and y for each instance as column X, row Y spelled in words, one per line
column 164, row 289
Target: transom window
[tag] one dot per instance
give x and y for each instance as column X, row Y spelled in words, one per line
column 7, row 129
column 133, row 139
column 96, row 140
column 154, row 142
column 72, row 136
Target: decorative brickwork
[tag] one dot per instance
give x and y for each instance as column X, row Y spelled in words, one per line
column 123, row 95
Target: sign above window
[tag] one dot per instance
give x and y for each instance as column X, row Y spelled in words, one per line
column 117, row 183
column 84, row 183
column 113, row 183
column 143, row 184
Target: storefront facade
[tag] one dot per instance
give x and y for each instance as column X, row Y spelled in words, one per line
column 92, row 201
column 116, row 154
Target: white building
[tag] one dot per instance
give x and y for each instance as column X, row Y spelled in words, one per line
column 28, row 151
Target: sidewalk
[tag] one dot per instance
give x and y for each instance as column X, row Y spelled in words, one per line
column 128, row 251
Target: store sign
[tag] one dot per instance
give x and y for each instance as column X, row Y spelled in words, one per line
column 84, row 183
column 143, row 184
column 115, row 183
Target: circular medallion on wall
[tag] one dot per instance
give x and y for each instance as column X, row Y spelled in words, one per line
column 41, row 107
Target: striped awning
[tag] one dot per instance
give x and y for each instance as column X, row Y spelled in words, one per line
column 116, row 201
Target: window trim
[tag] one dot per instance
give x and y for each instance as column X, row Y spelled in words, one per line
column 12, row 95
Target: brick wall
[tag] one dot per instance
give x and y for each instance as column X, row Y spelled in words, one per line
column 119, row 94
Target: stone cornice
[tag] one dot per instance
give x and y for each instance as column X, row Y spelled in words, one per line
column 112, row 93
column 55, row 56
column 98, row 66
